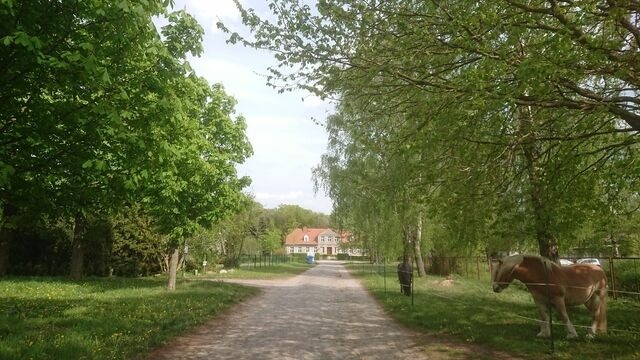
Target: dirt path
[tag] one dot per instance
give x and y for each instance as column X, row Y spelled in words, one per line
column 323, row 313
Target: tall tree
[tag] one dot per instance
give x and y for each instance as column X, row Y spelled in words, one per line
column 464, row 85
column 99, row 111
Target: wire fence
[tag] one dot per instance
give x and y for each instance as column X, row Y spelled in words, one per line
column 259, row 261
column 623, row 278
column 623, row 273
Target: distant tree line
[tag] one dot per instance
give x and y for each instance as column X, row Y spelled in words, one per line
column 129, row 243
column 253, row 231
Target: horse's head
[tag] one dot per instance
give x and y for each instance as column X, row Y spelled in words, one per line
column 502, row 273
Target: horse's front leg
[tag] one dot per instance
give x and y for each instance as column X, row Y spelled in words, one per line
column 545, row 330
column 562, row 310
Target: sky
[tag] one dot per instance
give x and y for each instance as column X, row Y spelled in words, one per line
column 287, row 144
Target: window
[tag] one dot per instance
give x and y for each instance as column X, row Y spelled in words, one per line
column 290, row 249
column 299, row 249
column 306, row 238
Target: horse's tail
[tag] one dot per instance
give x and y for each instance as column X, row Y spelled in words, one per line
column 602, row 311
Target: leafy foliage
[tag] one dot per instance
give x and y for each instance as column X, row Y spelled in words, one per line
column 99, row 112
column 496, row 124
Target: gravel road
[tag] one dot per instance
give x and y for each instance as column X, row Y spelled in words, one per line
column 323, row 313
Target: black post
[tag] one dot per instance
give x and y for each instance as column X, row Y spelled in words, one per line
column 546, row 275
column 412, row 288
column 384, row 273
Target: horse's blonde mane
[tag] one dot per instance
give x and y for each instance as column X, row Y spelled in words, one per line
column 512, row 260
column 508, row 264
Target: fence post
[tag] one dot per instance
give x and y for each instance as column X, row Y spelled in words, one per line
column 412, row 287
column 546, row 276
column 384, row 273
column 613, row 277
column 466, row 266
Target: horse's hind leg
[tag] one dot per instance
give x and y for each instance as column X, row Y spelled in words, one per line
column 598, row 308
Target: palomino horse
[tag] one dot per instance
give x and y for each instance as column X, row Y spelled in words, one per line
column 550, row 283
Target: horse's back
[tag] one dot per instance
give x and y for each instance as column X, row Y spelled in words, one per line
column 582, row 281
column 583, row 273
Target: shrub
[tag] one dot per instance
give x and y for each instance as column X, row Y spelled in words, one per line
column 627, row 275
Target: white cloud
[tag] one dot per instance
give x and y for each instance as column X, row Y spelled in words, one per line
column 208, row 12
column 287, row 144
column 207, row 9
column 291, row 195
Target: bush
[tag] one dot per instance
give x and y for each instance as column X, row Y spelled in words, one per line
column 40, row 249
column 299, row 257
column 444, row 265
column 627, row 275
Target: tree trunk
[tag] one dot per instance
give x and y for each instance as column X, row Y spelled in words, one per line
column 164, row 263
column 7, row 233
column 547, row 243
column 406, row 245
column 6, row 238
column 173, row 269
column 77, row 247
column 417, row 251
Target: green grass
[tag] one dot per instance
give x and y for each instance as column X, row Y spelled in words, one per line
column 275, row 271
column 49, row 318
column 471, row 312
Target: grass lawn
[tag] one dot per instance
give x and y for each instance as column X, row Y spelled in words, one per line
column 114, row 318
column 102, row 318
column 275, row 271
column 470, row 311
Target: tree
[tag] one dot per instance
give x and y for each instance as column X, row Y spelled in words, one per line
column 99, row 112
column 73, row 81
column 452, row 92
column 200, row 186
column 138, row 248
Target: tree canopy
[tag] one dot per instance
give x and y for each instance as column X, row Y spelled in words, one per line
column 500, row 124
column 101, row 111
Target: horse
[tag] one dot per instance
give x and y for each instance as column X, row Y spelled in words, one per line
column 561, row 286
column 405, row 275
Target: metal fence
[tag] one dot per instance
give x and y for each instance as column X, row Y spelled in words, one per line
column 623, row 277
column 623, row 273
column 258, row 261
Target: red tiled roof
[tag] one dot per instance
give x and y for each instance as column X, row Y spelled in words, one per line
column 296, row 237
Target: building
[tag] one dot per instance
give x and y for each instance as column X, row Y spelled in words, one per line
column 319, row 241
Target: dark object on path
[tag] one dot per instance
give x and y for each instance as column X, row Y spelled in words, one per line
column 405, row 274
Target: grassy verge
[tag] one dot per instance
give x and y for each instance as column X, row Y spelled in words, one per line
column 470, row 311
column 46, row 318
column 275, row 271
